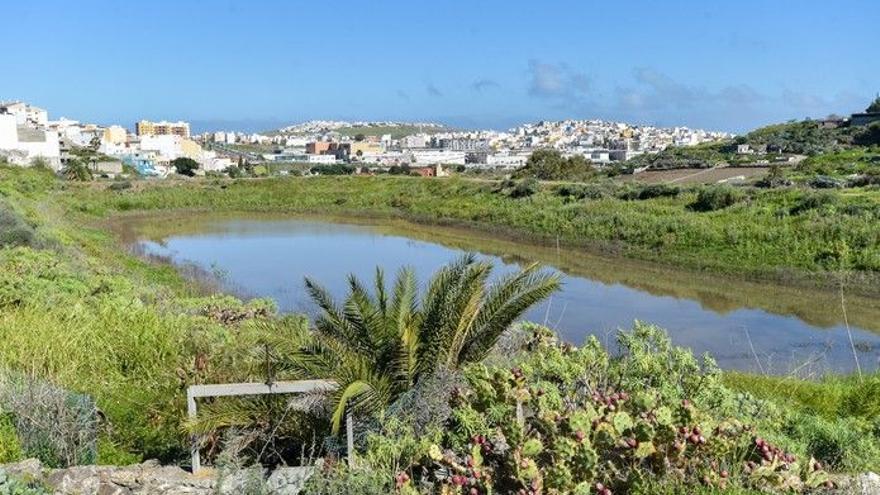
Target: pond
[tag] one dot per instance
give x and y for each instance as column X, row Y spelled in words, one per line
column 744, row 325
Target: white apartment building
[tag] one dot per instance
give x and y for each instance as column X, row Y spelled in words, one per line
column 321, row 159
column 507, row 161
column 21, row 144
column 25, row 114
column 435, row 156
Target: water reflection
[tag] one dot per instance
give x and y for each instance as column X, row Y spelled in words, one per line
column 743, row 325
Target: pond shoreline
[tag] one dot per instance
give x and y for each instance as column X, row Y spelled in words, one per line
column 653, row 290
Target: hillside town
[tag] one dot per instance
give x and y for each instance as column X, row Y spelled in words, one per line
column 28, row 135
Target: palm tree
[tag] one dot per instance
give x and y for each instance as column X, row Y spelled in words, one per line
column 379, row 345
column 77, row 170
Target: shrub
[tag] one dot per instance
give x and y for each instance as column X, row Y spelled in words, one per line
column 337, row 169
column 54, row 425
column 869, row 178
column 825, row 182
column 10, row 446
column 14, row 486
column 185, row 166
column 14, row 231
column 77, row 170
column 716, row 198
column 650, row 191
column 813, row 201
column 583, row 191
column 549, row 164
column 524, row 188
column 120, row 185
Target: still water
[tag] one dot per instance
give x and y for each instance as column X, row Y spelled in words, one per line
column 747, row 326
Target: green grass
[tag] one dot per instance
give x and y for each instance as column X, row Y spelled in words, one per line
column 840, row 164
column 396, row 131
column 830, row 397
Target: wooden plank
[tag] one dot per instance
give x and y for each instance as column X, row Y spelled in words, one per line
column 234, row 389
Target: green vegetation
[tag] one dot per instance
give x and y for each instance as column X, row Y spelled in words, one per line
column 544, row 417
column 336, row 169
column 79, row 313
column 548, row 164
column 716, row 198
column 77, row 170
column 185, row 166
column 378, row 346
column 754, row 235
column 396, row 131
column 874, row 106
column 702, row 156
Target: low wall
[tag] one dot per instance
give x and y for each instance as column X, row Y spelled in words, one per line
column 150, row 478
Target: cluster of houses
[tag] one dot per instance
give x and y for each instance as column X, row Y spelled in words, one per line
column 323, row 142
column 27, row 136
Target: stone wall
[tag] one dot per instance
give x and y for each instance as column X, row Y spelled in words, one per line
column 150, row 478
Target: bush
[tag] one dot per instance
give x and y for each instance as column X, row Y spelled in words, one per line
column 825, row 182
column 14, row 231
column 185, row 166
column 10, row 446
column 813, row 201
column 14, row 486
column 549, row 164
column 868, row 135
column 524, row 188
column 120, row 185
column 337, row 169
column 716, row 198
column 54, row 425
column 583, row 191
column 650, row 191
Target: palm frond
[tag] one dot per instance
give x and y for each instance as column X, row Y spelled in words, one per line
column 508, row 299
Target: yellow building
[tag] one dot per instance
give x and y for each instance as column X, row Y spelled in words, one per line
column 163, row 128
column 115, row 135
column 365, row 148
column 190, row 149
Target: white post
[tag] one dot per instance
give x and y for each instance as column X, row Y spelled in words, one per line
column 194, row 440
column 349, row 434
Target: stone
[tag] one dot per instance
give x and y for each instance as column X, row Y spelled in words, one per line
column 150, row 478
column 289, row 480
column 29, row 469
column 866, row 484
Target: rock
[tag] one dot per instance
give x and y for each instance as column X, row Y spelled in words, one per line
column 289, row 480
column 866, row 484
column 150, row 478
column 30, row 469
column 245, row 480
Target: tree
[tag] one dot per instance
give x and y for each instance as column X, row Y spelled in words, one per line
column 549, row 164
column 77, row 170
column 874, row 106
column 359, row 137
column 378, row 345
column 185, row 166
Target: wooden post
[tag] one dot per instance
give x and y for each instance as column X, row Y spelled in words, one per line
column 191, row 410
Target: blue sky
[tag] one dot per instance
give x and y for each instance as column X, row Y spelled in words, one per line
column 729, row 65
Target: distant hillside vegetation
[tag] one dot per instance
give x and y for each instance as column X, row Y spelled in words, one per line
column 805, row 137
